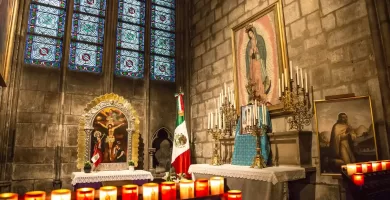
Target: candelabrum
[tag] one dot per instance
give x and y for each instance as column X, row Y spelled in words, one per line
column 257, row 131
column 216, row 134
column 229, row 115
column 296, row 100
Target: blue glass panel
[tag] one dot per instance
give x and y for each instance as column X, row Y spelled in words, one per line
column 163, row 18
column 167, row 3
column 46, row 21
column 88, row 28
column 95, row 7
column 163, row 43
column 85, row 57
column 129, row 63
column 132, row 11
column 58, row 3
column 163, row 68
column 130, row 36
column 43, row 51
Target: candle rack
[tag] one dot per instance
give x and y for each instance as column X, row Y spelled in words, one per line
column 257, row 131
column 296, row 100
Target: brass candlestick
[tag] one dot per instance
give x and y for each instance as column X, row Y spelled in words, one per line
column 229, row 114
column 255, row 130
column 296, row 100
column 216, row 134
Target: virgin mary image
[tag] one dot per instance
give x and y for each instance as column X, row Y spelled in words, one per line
column 256, row 61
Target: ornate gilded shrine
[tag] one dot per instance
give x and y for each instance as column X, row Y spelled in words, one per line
column 109, row 128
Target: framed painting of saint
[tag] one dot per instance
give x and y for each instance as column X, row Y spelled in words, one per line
column 259, row 57
column 346, row 133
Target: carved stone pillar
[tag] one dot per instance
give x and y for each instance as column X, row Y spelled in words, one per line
column 152, row 151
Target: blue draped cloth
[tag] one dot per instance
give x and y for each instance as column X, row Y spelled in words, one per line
column 245, row 145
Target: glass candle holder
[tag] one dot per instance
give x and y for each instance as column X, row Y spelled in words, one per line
column 130, row 192
column 108, row 193
column 35, row 195
column 358, row 179
column 168, row 190
column 385, row 164
column 85, row 194
column 234, row 195
column 351, row 169
column 8, row 196
column 366, row 167
column 186, row 189
column 61, row 194
column 150, row 191
column 216, row 185
column 376, row 166
column 202, row 188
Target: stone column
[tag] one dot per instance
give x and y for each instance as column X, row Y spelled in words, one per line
column 152, row 151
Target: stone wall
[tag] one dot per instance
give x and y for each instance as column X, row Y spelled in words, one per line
column 329, row 38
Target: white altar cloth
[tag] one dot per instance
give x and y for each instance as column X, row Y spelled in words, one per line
column 269, row 174
column 81, row 177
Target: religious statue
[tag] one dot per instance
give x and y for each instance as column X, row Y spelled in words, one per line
column 256, row 61
column 163, row 156
column 341, row 140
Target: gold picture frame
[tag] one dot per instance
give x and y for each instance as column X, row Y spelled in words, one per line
column 8, row 16
column 267, row 24
column 347, row 121
column 91, row 128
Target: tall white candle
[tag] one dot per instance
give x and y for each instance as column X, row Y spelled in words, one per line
column 265, row 115
column 306, row 88
column 280, row 92
column 232, row 97
column 216, row 118
column 282, row 82
column 297, row 75
column 208, row 121
column 291, row 70
column 262, row 114
column 301, row 78
column 225, row 89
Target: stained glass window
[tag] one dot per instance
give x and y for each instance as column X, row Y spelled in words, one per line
column 163, row 68
column 163, row 43
column 130, row 36
column 94, row 7
column 130, row 39
column 162, row 40
column 86, row 48
column 132, row 11
column 46, row 18
column 163, row 18
column 167, row 3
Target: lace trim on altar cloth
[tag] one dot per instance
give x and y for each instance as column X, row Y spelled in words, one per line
column 81, row 177
column 269, row 174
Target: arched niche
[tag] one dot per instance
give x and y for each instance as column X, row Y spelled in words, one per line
column 162, row 139
column 111, row 124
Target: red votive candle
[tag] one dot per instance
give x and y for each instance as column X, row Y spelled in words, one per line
column 366, row 167
column 376, row 166
column 358, row 179
column 359, row 168
column 385, row 165
column 35, row 195
column 202, row 188
column 8, row 196
column 85, row 194
column 234, row 195
column 130, row 192
column 168, row 190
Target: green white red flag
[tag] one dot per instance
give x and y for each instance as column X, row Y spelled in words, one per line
column 181, row 154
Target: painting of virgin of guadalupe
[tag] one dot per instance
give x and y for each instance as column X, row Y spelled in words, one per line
column 259, row 57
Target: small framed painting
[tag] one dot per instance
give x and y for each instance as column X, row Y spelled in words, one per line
column 346, row 132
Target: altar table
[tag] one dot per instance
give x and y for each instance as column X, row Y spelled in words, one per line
column 95, row 179
column 270, row 183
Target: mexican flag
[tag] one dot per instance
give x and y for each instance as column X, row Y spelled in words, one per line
column 181, row 155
